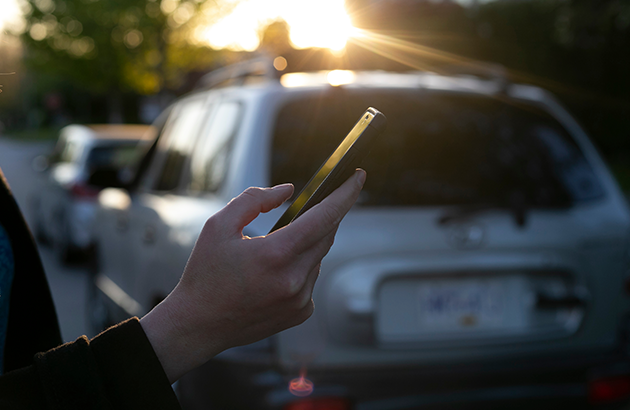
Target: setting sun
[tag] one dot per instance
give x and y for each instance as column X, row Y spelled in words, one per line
column 323, row 24
column 11, row 16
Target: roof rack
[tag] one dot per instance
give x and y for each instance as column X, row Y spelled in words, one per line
column 237, row 74
column 480, row 69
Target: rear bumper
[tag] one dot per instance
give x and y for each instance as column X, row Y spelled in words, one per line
column 542, row 381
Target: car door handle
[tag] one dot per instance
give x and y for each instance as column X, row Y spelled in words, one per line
column 149, row 235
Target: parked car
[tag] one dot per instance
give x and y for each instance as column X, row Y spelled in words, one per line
column 65, row 206
column 485, row 262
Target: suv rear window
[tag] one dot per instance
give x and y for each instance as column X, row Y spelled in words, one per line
column 439, row 149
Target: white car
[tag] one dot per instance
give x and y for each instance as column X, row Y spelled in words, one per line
column 485, row 262
column 64, row 207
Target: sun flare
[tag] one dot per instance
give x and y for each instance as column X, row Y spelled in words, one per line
column 323, row 24
column 10, row 16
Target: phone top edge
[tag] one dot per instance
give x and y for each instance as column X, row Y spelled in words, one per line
column 379, row 120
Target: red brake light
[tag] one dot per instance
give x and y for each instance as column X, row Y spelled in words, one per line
column 609, row 389
column 84, row 191
column 321, row 403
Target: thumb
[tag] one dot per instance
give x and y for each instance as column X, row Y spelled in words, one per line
column 243, row 209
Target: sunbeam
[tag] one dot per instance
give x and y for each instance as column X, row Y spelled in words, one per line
column 425, row 58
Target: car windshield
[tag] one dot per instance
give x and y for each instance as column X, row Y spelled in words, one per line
column 113, row 155
column 439, row 149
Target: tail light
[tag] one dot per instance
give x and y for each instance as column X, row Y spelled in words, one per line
column 84, row 191
column 320, row 403
column 608, row 390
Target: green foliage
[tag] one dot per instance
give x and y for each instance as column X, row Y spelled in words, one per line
column 35, row 134
column 578, row 49
column 621, row 170
column 105, row 45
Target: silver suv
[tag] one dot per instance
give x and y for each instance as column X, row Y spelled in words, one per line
column 485, row 261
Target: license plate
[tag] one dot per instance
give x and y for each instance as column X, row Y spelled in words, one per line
column 463, row 304
column 451, row 309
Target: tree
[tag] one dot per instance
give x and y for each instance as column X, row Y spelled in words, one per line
column 114, row 46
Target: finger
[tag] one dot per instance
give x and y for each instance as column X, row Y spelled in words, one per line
column 314, row 255
column 243, row 209
column 311, row 279
column 305, row 301
column 323, row 218
column 304, row 294
column 305, row 313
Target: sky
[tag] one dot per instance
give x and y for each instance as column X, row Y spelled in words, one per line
column 239, row 30
column 9, row 13
column 305, row 17
column 323, row 23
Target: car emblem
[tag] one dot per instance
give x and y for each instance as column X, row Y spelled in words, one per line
column 468, row 236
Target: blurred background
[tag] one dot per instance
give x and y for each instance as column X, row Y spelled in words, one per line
column 68, row 62
column 84, row 61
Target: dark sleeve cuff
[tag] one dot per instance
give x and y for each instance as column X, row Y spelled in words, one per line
column 130, row 370
column 118, row 369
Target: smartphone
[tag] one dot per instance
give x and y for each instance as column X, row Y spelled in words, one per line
column 339, row 166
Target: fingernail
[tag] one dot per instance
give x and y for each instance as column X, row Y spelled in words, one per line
column 362, row 175
column 283, row 186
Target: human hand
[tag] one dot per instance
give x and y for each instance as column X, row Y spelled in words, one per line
column 236, row 290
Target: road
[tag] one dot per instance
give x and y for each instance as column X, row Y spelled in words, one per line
column 68, row 284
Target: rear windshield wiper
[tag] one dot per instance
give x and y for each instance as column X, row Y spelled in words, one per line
column 460, row 213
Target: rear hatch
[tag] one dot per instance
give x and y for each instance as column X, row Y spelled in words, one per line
column 482, row 233
column 400, row 289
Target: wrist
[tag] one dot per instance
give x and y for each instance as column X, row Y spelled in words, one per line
column 174, row 337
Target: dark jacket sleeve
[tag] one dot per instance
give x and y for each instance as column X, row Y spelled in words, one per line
column 118, row 369
column 32, row 325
